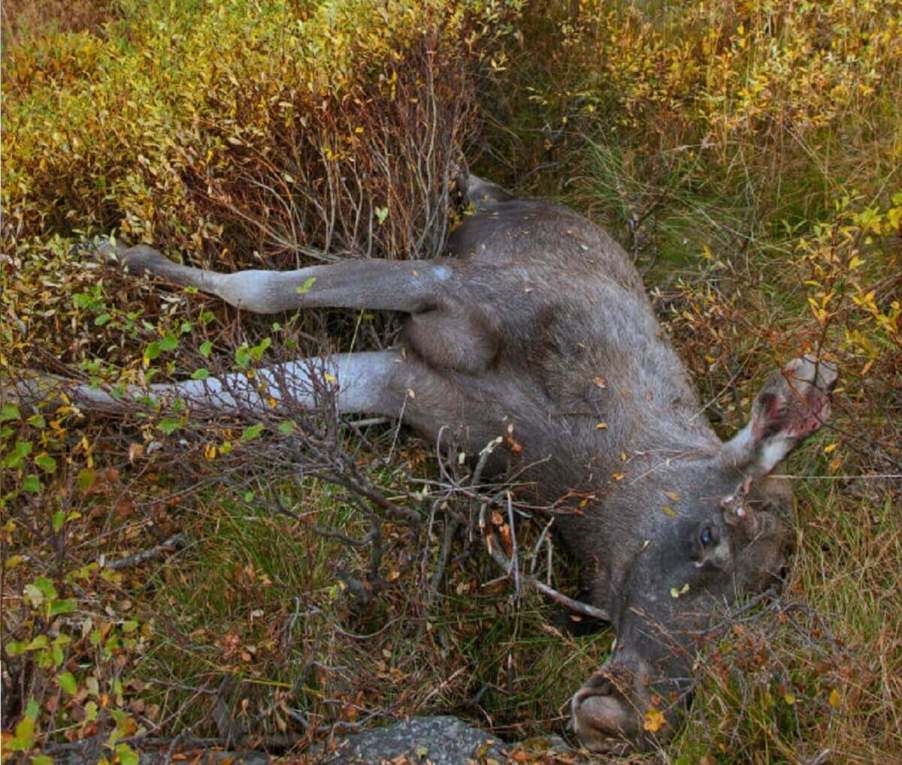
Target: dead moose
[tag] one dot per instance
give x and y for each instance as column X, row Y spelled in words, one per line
column 536, row 326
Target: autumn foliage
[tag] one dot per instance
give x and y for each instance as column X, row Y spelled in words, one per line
column 746, row 154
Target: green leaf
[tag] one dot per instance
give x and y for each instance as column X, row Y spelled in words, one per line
column 46, row 463
column 382, row 214
column 103, row 319
column 251, row 432
column 242, row 356
column 86, row 300
column 287, row 427
column 206, row 347
column 41, row 641
column 23, row 738
column 37, row 421
column 59, row 518
column 152, row 351
column 64, row 606
column 46, row 587
column 169, row 343
column 32, row 484
column 9, row 412
column 16, row 647
column 126, row 755
column 42, row 759
column 200, row 374
column 306, row 286
column 18, row 454
column 170, row 425
column 67, row 682
column 86, row 479
column 258, row 350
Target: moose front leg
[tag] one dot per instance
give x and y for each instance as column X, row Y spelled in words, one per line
column 411, row 286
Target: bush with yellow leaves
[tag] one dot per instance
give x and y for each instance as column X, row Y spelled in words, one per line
column 280, row 127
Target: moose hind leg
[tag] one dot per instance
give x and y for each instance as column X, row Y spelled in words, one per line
column 353, row 283
column 360, row 382
column 452, row 339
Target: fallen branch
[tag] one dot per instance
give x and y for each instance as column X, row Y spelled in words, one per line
column 507, row 565
column 175, row 542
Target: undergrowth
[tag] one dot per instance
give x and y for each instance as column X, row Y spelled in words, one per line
column 746, row 154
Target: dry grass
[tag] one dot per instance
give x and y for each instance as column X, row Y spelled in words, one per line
column 24, row 20
column 745, row 154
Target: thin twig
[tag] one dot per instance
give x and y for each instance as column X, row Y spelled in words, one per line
column 451, row 527
column 574, row 605
column 172, row 544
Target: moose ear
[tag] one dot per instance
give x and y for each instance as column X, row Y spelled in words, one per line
column 793, row 404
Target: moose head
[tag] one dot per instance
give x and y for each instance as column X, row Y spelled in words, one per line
column 728, row 535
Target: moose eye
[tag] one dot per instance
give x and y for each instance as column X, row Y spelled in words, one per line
column 706, row 536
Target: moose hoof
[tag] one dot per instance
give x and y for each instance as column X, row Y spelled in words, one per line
column 603, row 718
column 137, row 260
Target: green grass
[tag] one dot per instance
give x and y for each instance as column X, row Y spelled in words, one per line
column 740, row 226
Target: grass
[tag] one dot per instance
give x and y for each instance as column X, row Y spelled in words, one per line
column 746, row 156
column 729, row 213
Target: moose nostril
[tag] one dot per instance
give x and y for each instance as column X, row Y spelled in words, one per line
column 597, row 685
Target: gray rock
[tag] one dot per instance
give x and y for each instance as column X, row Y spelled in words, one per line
column 438, row 740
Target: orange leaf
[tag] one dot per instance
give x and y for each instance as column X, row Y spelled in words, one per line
column 654, row 720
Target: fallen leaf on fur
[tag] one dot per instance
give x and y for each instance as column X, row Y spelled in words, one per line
column 654, row 720
column 675, row 593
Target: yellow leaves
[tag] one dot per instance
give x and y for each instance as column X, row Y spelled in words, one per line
column 135, row 452
column 679, row 592
column 834, row 699
column 669, row 511
column 653, row 720
column 819, row 306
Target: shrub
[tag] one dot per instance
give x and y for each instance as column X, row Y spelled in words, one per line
column 746, row 153
column 232, row 133
column 232, row 127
